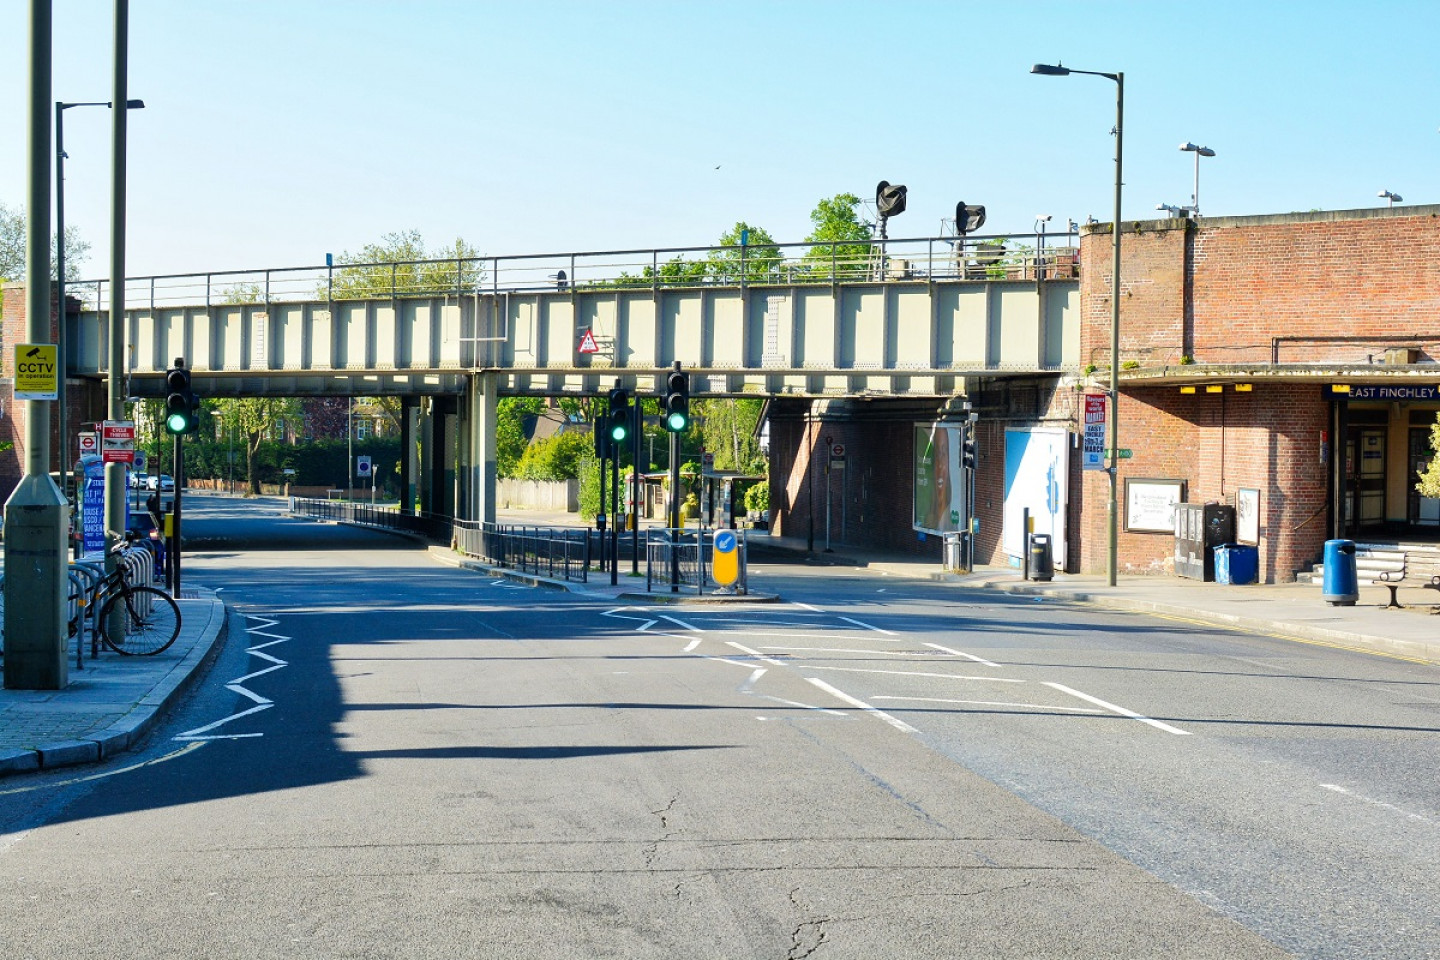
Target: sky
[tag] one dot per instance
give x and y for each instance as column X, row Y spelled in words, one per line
column 277, row 131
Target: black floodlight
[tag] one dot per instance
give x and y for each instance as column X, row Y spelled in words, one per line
column 890, row 199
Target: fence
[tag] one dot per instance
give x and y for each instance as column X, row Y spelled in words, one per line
column 430, row 526
column 677, row 559
column 562, row 552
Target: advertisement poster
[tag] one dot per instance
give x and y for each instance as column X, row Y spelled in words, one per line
column 1093, row 441
column 939, row 479
column 1037, row 478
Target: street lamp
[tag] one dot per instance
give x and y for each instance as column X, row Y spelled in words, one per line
column 1047, row 70
column 60, row 156
column 1199, row 152
column 1394, row 198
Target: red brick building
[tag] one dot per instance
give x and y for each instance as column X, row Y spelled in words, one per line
column 1290, row 357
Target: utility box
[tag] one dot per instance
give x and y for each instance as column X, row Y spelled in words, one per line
column 1236, row 564
column 1199, row 529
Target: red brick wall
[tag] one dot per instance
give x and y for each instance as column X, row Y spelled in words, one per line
column 1153, row 271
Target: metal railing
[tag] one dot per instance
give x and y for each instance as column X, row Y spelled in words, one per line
column 556, row 552
column 679, row 560
column 430, row 526
column 924, row 259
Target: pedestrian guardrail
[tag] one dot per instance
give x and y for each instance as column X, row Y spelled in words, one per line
column 678, row 560
column 430, row 526
column 562, row 552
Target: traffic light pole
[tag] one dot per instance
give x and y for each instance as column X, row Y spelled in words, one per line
column 635, row 453
column 172, row 549
column 615, row 523
column 674, row 519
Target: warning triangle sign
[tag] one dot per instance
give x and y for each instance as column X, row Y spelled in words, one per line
column 588, row 344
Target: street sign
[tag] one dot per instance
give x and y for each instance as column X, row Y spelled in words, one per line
column 725, row 558
column 89, row 444
column 117, row 441
column 1093, row 440
column 1124, row 453
column 37, row 372
column 588, row 344
column 707, row 464
column 362, row 466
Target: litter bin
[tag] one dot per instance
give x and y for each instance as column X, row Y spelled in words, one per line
column 1236, row 564
column 1042, row 561
column 1341, row 586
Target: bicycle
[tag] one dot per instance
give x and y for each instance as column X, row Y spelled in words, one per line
column 151, row 619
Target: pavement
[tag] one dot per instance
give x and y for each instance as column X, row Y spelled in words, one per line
column 114, row 701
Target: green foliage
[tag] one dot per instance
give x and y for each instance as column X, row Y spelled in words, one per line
column 757, row 498
column 727, row 429
column 759, row 261
column 589, row 496
column 1130, row 365
column 1429, row 485
column 13, row 245
column 838, row 225
column 510, row 436
column 556, row 457
column 391, row 269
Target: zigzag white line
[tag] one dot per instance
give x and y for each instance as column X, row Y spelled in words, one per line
column 238, row 686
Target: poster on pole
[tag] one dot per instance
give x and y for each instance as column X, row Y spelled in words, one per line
column 939, row 479
column 1093, row 440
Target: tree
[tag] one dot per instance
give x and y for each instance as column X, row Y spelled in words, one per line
column 727, row 428
column 762, row 259
column 401, row 266
column 511, row 435
column 13, row 225
column 252, row 418
column 846, row 254
column 556, row 457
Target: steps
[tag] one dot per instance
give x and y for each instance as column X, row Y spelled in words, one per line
column 1420, row 561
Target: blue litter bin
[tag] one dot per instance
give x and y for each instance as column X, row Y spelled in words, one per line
column 1341, row 586
column 1236, row 564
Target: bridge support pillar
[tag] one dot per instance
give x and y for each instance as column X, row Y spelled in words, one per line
column 409, row 456
column 477, row 463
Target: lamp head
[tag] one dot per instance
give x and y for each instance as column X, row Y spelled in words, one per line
column 1193, row 148
column 1049, row 70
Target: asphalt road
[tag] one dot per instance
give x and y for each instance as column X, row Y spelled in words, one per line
column 392, row 758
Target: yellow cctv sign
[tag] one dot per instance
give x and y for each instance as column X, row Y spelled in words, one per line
column 37, row 372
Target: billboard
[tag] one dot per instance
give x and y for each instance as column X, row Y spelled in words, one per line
column 939, row 479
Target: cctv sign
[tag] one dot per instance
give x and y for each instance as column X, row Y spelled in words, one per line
column 37, row 372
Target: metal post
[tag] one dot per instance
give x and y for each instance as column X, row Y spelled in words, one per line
column 674, row 518
column 635, row 483
column 1113, row 515
column 174, row 549
column 615, row 519
column 115, row 471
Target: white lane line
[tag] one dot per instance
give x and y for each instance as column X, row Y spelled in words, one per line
column 237, row 686
column 882, row 653
column 733, row 663
column 995, row 703
column 806, row 606
column 1376, row 803
column 895, row 722
column 961, row 653
column 755, row 653
column 750, row 681
column 1158, row 725
column 682, row 623
column 916, row 673
column 198, row 731
column 868, row 626
column 811, row 635
column 690, row 647
column 796, row 703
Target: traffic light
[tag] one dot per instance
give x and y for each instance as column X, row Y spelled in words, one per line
column 619, row 421
column 181, row 404
column 602, row 438
column 677, row 400
column 967, row 452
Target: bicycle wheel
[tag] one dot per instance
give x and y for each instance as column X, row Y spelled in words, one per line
column 152, row 621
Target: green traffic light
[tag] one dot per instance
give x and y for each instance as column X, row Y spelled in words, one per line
column 177, row 423
column 676, row 422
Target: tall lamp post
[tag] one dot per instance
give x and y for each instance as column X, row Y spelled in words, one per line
column 60, row 344
column 1199, row 152
column 1112, row 519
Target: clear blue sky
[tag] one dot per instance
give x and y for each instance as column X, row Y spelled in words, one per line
column 279, row 130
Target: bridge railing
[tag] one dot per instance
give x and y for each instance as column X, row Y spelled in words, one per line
column 992, row 257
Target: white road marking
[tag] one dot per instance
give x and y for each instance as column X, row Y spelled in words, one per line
column 749, row 683
column 1376, row 803
column 754, row 653
column 796, row 703
column 682, row 623
column 99, row 776
column 961, row 653
column 916, row 673
column 883, row 653
column 807, row 606
column 1158, row 725
column 692, row 645
column 237, row 686
column 995, row 703
column 895, row 722
column 867, row 626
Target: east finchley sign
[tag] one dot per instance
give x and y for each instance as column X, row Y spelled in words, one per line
column 1378, row 391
